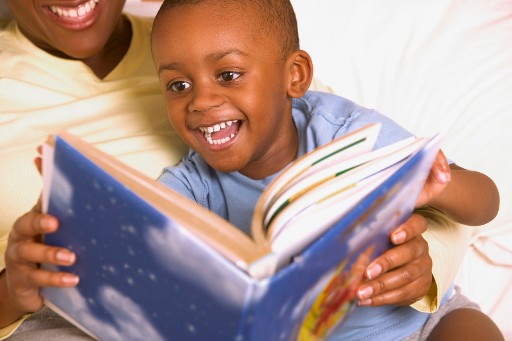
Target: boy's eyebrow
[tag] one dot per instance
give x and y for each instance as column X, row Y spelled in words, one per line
column 213, row 57
column 169, row 66
column 216, row 56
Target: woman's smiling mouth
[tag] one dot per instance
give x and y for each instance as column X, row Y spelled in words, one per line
column 70, row 12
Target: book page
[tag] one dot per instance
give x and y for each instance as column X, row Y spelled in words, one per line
column 303, row 220
column 305, row 227
column 305, row 184
column 355, row 143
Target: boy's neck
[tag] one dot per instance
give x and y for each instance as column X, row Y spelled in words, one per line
column 282, row 153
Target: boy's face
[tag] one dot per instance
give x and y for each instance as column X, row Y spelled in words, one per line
column 76, row 28
column 225, row 86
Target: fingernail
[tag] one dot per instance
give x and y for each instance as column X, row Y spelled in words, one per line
column 365, row 292
column 373, row 271
column 444, row 176
column 399, row 237
column 364, row 302
column 70, row 279
column 46, row 223
column 65, row 257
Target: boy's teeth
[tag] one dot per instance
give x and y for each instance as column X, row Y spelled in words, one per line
column 207, row 131
column 80, row 11
column 221, row 141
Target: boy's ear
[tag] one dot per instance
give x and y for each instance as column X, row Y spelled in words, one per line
column 300, row 68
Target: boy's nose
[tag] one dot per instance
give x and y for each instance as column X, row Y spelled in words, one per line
column 204, row 98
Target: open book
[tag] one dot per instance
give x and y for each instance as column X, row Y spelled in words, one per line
column 140, row 244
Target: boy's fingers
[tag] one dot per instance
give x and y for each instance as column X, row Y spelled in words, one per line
column 402, row 296
column 405, row 283
column 398, row 278
column 397, row 257
column 413, row 227
column 402, row 286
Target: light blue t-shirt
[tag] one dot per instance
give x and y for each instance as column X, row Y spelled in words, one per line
column 319, row 118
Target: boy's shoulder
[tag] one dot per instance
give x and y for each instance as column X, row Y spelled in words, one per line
column 192, row 168
column 332, row 108
column 326, row 101
column 324, row 112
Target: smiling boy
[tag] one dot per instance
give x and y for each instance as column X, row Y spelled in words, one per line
column 259, row 88
column 235, row 81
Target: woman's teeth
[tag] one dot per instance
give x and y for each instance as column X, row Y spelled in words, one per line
column 69, row 12
column 207, row 131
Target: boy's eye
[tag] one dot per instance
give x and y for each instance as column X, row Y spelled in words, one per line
column 178, row 86
column 229, row 76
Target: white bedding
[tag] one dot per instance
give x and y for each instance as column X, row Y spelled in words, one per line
column 431, row 65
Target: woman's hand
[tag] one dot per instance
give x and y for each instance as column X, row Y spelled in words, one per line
column 23, row 277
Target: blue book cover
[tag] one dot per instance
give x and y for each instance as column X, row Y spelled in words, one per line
column 147, row 276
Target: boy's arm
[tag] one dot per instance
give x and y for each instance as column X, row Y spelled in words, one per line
column 470, row 198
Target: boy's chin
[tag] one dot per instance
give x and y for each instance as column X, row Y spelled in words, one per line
column 224, row 168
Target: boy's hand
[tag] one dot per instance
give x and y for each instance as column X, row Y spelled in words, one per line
column 24, row 252
column 403, row 274
column 437, row 180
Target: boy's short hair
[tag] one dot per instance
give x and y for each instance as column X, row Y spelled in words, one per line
column 277, row 18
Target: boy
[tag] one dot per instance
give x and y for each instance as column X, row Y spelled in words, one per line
column 235, row 81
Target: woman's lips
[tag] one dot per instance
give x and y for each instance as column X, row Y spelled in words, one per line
column 75, row 17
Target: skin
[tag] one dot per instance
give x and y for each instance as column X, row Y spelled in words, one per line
column 99, row 39
column 466, row 324
column 467, row 196
column 219, row 74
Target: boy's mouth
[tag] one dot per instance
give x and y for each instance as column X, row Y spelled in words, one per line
column 222, row 132
column 74, row 12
